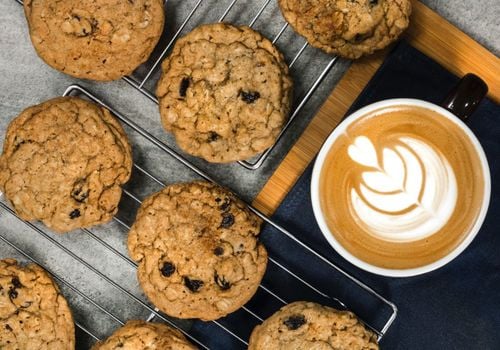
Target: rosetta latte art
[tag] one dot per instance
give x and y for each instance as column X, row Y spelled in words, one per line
column 406, row 192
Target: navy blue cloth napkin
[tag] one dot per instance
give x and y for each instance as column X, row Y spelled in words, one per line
column 457, row 306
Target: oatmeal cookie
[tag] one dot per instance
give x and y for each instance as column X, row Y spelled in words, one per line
column 349, row 28
column 64, row 162
column 198, row 251
column 305, row 325
column 225, row 93
column 95, row 39
column 33, row 313
column 141, row 335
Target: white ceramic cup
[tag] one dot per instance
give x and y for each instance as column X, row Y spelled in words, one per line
column 315, row 189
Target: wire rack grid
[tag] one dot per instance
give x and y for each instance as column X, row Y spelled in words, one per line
column 154, row 313
column 250, row 312
column 300, row 101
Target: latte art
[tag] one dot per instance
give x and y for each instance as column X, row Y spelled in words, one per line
column 400, row 187
column 406, row 194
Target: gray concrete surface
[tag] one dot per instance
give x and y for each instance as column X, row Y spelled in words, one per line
column 25, row 80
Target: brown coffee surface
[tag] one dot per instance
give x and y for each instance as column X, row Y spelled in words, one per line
column 402, row 187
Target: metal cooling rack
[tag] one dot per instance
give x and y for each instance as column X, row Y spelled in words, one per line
column 299, row 102
column 249, row 314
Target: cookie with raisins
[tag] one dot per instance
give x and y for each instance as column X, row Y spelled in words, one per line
column 225, row 93
column 64, row 162
column 348, row 28
column 33, row 313
column 198, row 251
column 95, row 39
column 304, row 325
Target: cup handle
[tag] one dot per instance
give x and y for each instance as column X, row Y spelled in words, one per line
column 465, row 97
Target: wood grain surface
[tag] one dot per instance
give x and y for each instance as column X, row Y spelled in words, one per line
column 428, row 32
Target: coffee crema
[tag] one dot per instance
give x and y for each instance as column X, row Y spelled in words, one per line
column 401, row 187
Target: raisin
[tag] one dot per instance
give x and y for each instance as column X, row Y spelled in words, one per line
column 373, row 2
column 295, row 322
column 249, row 96
column 218, row 200
column 221, row 282
column 184, row 87
column 167, row 269
column 227, row 220
column 16, row 283
column 226, row 205
column 213, row 136
column 219, row 251
column 193, row 285
column 75, row 214
column 12, row 290
column 13, row 293
column 79, row 193
column 9, row 328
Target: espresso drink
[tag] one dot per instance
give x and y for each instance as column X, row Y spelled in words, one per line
column 402, row 187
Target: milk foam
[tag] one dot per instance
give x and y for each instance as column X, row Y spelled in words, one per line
column 407, row 194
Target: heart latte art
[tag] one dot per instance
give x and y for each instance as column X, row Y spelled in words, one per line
column 401, row 187
column 406, row 194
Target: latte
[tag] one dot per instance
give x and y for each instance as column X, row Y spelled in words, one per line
column 401, row 187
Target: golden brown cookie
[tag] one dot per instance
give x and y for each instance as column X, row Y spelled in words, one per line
column 305, row 325
column 141, row 335
column 95, row 39
column 225, row 93
column 33, row 312
column 64, row 162
column 349, row 28
column 198, row 251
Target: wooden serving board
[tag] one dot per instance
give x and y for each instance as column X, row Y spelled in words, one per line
column 429, row 33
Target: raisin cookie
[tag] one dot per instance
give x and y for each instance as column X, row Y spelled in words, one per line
column 95, row 39
column 64, row 162
column 141, row 335
column 225, row 93
column 305, row 325
column 198, row 251
column 33, row 313
column 349, row 28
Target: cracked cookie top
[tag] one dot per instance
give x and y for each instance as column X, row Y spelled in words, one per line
column 305, row 325
column 136, row 335
column 33, row 312
column 349, row 28
column 95, row 39
column 198, row 251
column 64, row 162
column 225, row 93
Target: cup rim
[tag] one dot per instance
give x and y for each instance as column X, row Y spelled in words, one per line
column 318, row 167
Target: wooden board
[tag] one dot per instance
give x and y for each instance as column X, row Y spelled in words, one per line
column 429, row 33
